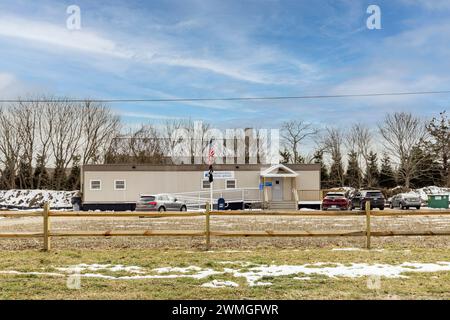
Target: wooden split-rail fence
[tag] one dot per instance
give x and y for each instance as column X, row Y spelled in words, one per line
column 47, row 233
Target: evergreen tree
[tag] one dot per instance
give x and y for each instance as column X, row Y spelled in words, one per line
column 439, row 145
column 428, row 169
column 387, row 174
column 24, row 177
column 353, row 173
column 372, row 173
column 336, row 172
column 41, row 179
column 59, row 178
column 285, row 156
column 73, row 181
column 324, row 177
column 7, row 180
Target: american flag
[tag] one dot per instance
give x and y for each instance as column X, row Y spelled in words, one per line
column 211, row 152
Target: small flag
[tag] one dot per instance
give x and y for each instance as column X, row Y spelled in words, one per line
column 211, row 152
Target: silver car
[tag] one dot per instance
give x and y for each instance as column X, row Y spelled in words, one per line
column 160, row 202
column 405, row 201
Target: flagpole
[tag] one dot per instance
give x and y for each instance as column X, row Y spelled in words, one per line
column 211, row 184
column 211, row 195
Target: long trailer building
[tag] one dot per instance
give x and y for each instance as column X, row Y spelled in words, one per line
column 118, row 187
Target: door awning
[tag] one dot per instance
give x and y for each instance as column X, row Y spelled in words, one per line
column 278, row 171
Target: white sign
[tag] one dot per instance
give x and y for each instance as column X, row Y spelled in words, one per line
column 219, row 174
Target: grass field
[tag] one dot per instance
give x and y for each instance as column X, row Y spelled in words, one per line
column 235, row 268
column 27, row 274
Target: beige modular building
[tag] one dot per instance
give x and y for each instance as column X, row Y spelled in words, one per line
column 118, row 187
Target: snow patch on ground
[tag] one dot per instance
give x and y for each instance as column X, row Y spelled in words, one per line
column 97, row 267
column 254, row 275
column 302, row 278
column 220, row 284
column 177, row 269
column 16, row 198
column 20, row 273
column 200, row 272
column 425, row 191
column 237, row 262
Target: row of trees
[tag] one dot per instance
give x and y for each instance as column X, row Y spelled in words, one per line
column 43, row 143
column 403, row 150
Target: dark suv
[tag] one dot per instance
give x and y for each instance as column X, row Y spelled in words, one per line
column 375, row 197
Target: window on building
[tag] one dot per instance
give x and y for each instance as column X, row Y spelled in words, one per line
column 119, row 185
column 96, row 185
column 205, row 184
column 230, row 184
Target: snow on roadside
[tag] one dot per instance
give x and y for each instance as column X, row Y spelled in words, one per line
column 253, row 275
column 425, row 191
column 220, row 284
column 97, row 267
column 18, row 198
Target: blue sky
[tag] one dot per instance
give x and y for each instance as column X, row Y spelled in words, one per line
column 210, row 49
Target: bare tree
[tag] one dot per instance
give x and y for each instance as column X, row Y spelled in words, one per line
column 293, row 134
column 141, row 145
column 65, row 138
column 177, row 139
column 99, row 126
column 402, row 133
column 25, row 119
column 10, row 146
column 359, row 141
column 331, row 143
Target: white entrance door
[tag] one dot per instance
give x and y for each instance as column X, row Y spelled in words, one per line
column 277, row 189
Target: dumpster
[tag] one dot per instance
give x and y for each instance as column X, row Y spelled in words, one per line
column 221, row 204
column 439, row 201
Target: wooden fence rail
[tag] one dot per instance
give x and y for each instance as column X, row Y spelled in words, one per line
column 47, row 234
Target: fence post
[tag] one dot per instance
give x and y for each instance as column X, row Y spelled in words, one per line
column 47, row 244
column 208, row 234
column 368, row 224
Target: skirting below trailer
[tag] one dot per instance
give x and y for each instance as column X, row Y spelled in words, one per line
column 120, row 206
column 108, row 206
column 309, row 205
column 132, row 206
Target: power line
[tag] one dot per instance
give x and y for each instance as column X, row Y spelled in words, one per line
column 232, row 98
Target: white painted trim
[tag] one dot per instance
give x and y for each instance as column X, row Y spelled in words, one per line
column 90, row 185
column 124, row 185
column 268, row 173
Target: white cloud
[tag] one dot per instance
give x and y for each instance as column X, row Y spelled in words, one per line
column 6, row 80
column 144, row 115
column 51, row 34
column 11, row 87
column 162, row 50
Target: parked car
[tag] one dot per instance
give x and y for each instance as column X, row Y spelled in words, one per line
column 375, row 197
column 405, row 201
column 160, row 202
column 336, row 201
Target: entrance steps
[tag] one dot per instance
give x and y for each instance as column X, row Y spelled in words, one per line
column 283, row 205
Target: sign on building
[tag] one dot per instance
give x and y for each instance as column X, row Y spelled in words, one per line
column 220, row 174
